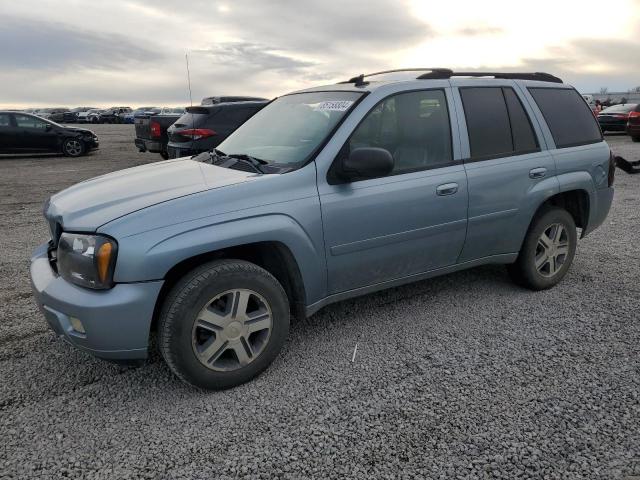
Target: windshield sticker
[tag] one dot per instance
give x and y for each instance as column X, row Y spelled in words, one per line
column 334, row 106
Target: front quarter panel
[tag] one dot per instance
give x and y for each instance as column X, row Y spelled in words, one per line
column 278, row 208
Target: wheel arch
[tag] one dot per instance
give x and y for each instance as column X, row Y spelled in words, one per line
column 273, row 256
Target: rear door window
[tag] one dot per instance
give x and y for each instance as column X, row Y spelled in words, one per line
column 569, row 118
column 4, row 119
column 26, row 121
column 497, row 124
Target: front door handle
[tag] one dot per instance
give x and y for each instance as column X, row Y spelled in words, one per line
column 447, row 189
column 537, row 172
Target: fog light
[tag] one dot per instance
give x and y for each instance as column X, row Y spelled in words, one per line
column 77, row 324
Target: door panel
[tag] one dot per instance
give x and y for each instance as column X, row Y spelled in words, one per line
column 505, row 187
column 408, row 222
column 502, row 199
column 387, row 228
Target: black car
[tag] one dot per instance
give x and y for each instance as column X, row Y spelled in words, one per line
column 72, row 115
column 204, row 127
column 26, row 133
column 615, row 118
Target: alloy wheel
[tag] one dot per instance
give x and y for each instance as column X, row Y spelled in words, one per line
column 232, row 330
column 73, row 147
column 552, row 250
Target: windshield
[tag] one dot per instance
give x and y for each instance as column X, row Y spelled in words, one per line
column 290, row 129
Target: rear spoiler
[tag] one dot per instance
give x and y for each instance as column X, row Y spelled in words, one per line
column 198, row 109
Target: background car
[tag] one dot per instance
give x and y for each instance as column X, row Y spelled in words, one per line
column 130, row 116
column 172, row 111
column 615, row 118
column 26, row 133
column 83, row 117
column 114, row 115
column 203, row 127
column 633, row 124
column 229, row 98
column 53, row 114
column 72, row 115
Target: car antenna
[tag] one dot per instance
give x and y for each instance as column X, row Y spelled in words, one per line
column 193, row 122
column 186, row 57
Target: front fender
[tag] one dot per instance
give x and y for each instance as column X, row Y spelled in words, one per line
column 150, row 255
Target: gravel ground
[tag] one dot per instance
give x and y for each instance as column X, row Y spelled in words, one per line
column 463, row 376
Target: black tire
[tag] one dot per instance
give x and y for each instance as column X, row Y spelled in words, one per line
column 635, row 139
column 73, row 147
column 524, row 271
column 177, row 329
column 164, row 154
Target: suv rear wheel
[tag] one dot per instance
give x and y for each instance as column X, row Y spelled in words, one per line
column 547, row 251
column 223, row 324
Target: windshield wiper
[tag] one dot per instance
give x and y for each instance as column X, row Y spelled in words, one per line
column 257, row 163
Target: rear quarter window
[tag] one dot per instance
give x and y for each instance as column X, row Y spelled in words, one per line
column 569, row 118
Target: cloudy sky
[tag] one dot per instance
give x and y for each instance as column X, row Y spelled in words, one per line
column 132, row 52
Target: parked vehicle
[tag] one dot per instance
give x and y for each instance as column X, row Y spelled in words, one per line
column 615, row 117
column 230, row 98
column 324, row 194
column 27, row 133
column 204, row 127
column 130, row 116
column 88, row 115
column 94, row 116
column 633, row 124
column 172, row 111
column 114, row 115
column 151, row 132
column 72, row 116
column 53, row 114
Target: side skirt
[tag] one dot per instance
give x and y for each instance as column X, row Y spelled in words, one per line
column 356, row 292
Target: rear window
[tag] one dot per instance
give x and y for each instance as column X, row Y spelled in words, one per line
column 569, row 118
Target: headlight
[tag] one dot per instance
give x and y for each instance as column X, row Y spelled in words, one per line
column 87, row 260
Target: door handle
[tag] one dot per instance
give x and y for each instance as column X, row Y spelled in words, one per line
column 537, row 172
column 447, row 189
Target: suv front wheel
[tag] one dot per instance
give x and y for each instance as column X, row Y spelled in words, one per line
column 547, row 251
column 223, row 324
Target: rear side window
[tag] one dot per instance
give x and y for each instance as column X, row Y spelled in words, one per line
column 4, row 119
column 569, row 118
column 497, row 123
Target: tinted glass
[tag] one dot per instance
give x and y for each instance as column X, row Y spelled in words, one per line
column 414, row 127
column 487, row 122
column 292, row 127
column 569, row 118
column 26, row 121
column 524, row 140
column 4, row 119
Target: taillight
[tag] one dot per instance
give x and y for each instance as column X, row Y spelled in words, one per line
column 612, row 169
column 197, row 133
column 155, row 129
column 634, row 115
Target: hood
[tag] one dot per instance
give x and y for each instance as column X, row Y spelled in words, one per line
column 92, row 203
column 79, row 130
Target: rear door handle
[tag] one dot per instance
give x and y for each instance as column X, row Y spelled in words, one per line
column 537, row 172
column 447, row 189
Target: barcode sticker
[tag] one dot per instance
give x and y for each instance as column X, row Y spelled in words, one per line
column 334, row 106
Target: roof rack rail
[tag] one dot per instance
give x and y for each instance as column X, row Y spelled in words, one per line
column 540, row 76
column 445, row 73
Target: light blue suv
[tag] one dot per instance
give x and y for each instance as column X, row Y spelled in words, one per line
column 325, row 194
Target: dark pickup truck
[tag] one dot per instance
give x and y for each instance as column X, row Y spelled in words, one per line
column 151, row 132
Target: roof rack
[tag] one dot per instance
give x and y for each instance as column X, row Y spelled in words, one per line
column 445, row 73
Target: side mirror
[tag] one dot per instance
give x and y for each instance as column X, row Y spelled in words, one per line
column 367, row 162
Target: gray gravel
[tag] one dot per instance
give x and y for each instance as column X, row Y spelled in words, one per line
column 463, row 376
